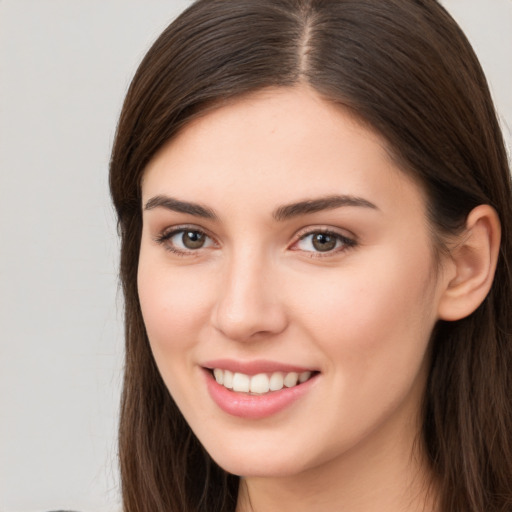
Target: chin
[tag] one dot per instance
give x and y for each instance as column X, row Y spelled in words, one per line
column 258, row 461
column 262, row 468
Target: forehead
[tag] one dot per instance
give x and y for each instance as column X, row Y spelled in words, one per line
column 277, row 144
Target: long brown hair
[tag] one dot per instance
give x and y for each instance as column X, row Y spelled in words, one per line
column 405, row 68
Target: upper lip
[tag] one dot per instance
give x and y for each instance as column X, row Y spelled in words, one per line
column 254, row 367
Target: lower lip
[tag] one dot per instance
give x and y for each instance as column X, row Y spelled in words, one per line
column 255, row 407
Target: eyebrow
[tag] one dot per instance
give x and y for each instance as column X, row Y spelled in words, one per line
column 180, row 206
column 316, row 205
column 281, row 213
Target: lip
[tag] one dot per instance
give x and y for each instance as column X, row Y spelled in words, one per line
column 254, row 367
column 255, row 407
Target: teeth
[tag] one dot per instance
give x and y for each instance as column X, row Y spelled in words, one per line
column 228, row 379
column 304, row 376
column 219, row 375
column 276, row 381
column 261, row 383
column 291, row 379
column 241, row 382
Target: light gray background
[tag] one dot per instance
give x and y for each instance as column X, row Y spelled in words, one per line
column 64, row 68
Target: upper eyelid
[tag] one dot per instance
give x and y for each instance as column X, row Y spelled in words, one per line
column 309, row 230
column 172, row 230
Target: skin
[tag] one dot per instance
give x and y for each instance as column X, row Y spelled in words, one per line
column 361, row 315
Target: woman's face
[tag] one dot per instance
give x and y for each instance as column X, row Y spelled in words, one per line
column 283, row 247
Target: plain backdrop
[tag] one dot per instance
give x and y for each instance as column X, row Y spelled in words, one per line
column 64, row 68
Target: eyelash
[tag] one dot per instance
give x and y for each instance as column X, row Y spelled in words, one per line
column 164, row 237
column 345, row 242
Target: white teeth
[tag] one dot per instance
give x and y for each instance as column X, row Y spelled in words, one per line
column 241, row 382
column 291, row 379
column 261, row 383
column 304, row 376
column 219, row 375
column 276, row 381
column 228, row 379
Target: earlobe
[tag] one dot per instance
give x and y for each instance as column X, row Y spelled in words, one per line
column 473, row 259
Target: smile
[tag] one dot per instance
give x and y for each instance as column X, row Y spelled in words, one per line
column 261, row 383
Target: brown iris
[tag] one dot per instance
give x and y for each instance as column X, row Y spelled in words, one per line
column 324, row 242
column 193, row 239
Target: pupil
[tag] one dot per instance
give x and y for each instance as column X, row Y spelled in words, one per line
column 193, row 239
column 324, row 242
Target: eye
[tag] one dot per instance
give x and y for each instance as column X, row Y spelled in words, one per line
column 323, row 242
column 185, row 240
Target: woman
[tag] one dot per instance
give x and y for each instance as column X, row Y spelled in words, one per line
column 315, row 203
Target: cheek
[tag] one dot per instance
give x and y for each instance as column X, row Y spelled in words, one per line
column 174, row 305
column 374, row 327
column 372, row 310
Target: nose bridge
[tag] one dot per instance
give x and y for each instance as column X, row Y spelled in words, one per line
column 248, row 303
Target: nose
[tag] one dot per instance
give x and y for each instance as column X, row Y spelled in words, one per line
column 248, row 305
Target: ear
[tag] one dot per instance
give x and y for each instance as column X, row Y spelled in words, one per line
column 472, row 263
